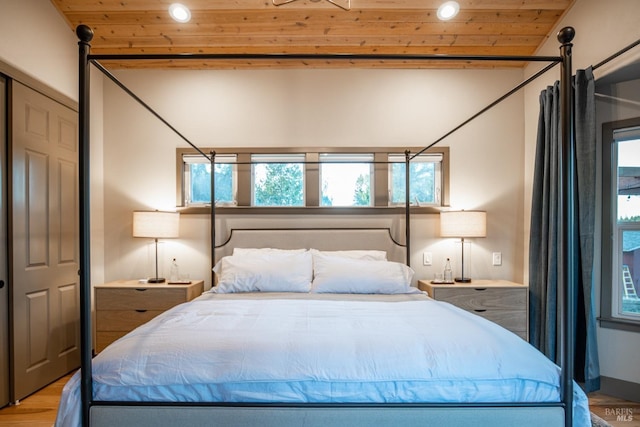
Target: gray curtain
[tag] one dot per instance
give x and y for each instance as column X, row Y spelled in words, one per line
column 543, row 274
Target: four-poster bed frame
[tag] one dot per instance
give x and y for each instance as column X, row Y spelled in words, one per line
column 99, row 413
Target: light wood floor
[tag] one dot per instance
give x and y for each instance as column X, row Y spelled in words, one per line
column 39, row 409
column 617, row 412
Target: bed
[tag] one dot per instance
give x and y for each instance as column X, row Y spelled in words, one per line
column 293, row 327
column 401, row 365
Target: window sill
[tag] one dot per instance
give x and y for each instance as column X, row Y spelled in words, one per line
column 315, row 210
column 620, row 324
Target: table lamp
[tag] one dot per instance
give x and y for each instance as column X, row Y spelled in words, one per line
column 463, row 224
column 156, row 225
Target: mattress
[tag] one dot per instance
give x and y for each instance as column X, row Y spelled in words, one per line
column 322, row 348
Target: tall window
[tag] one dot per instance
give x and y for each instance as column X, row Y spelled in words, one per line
column 621, row 189
column 628, row 221
column 425, row 180
column 346, row 179
column 278, row 179
column 197, row 180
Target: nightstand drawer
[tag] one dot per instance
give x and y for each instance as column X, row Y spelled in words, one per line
column 473, row 299
column 500, row 301
column 123, row 305
column 138, row 298
column 121, row 320
column 514, row 320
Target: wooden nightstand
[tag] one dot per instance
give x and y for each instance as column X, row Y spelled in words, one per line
column 123, row 305
column 503, row 302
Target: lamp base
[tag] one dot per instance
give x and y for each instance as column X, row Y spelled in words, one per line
column 463, row 279
column 156, row 280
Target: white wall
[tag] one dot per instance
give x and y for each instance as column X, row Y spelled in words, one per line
column 36, row 42
column 315, row 108
column 602, row 28
column 35, row 39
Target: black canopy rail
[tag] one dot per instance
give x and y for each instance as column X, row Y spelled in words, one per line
column 212, row 160
column 567, row 280
column 520, row 86
column 617, row 54
column 319, row 56
column 145, row 105
column 407, row 204
column 488, row 107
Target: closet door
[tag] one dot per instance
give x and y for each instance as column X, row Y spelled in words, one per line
column 45, row 292
column 4, row 280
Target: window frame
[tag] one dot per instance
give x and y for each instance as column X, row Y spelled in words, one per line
column 610, row 289
column 312, row 181
column 429, row 157
column 197, row 158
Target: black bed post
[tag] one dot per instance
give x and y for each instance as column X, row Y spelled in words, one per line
column 407, row 206
column 567, row 271
column 85, row 34
column 212, row 160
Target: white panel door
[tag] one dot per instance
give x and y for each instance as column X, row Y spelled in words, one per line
column 45, row 297
column 4, row 280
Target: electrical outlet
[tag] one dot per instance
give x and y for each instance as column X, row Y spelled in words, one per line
column 427, row 258
column 497, row 258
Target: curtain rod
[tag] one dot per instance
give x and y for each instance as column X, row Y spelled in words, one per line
column 617, row 98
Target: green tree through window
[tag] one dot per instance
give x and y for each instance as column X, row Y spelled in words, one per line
column 362, row 193
column 279, row 184
column 201, row 183
column 422, row 180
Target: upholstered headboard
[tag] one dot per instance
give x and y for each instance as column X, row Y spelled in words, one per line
column 326, row 239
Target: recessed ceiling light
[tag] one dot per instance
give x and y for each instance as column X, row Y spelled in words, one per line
column 180, row 12
column 448, row 10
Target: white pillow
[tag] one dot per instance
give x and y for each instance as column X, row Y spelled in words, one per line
column 265, row 272
column 244, row 251
column 357, row 276
column 372, row 255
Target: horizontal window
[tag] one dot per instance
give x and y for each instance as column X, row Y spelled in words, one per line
column 299, row 177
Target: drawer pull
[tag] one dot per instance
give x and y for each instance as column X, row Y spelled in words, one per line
column 140, row 289
column 141, row 311
column 479, row 310
column 480, row 289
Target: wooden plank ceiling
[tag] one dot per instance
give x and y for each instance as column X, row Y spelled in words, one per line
column 483, row 27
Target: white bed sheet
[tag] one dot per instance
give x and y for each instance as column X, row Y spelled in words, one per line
column 320, row 348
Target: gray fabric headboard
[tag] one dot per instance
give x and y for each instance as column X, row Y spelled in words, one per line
column 327, row 239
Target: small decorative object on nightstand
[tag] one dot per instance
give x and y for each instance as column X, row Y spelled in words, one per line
column 123, row 305
column 503, row 302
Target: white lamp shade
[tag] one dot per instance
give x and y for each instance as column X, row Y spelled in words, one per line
column 463, row 224
column 156, row 224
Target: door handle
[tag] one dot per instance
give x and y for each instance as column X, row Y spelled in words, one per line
column 1, row 284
